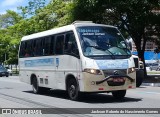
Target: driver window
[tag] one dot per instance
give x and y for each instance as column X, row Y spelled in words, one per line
column 70, row 44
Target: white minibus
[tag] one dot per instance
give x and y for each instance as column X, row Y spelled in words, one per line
column 81, row 57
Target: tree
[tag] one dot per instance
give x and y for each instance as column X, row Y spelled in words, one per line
column 9, row 19
column 36, row 17
column 62, row 12
column 4, row 41
column 33, row 7
column 136, row 17
column 133, row 16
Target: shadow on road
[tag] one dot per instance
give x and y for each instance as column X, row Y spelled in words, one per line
column 89, row 98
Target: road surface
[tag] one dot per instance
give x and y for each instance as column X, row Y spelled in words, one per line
column 15, row 94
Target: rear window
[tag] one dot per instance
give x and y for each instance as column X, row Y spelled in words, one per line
column 2, row 68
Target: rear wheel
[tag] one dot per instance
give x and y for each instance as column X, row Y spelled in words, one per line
column 72, row 89
column 120, row 94
column 36, row 88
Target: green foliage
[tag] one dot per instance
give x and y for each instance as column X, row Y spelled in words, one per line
column 33, row 7
column 9, row 19
column 136, row 18
column 35, row 17
column 9, row 37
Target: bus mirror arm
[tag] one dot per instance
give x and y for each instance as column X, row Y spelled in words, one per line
column 114, row 76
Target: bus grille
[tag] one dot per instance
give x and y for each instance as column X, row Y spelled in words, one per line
column 111, row 72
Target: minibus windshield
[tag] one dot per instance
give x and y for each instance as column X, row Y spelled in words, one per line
column 102, row 41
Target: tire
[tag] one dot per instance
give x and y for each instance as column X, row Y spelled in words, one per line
column 35, row 86
column 139, row 77
column 120, row 94
column 37, row 89
column 139, row 81
column 73, row 89
column 6, row 75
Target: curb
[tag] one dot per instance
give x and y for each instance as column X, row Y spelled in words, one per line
column 152, row 80
column 151, row 84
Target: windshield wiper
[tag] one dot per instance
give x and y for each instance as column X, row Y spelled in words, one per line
column 125, row 49
column 100, row 48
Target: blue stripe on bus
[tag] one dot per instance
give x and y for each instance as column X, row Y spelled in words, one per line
column 39, row 62
column 112, row 64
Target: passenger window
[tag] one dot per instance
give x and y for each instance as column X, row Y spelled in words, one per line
column 39, row 47
column 34, row 48
column 52, row 51
column 59, row 44
column 22, row 50
column 47, row 46
column 28, row 45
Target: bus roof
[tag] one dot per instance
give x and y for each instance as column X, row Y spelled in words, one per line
column 63, row 29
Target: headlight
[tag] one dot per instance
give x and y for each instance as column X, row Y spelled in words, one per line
column 131, row 70
column 93, row 71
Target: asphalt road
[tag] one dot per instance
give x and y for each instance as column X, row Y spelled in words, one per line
column 15, row 94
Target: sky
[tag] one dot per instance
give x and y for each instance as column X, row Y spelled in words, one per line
column 11, row 5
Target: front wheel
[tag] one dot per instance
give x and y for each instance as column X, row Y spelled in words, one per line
column 72, row 89
column 120, row 94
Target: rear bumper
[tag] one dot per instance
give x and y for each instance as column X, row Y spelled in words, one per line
column 4, row 74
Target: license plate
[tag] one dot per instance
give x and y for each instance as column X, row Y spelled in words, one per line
column 118, row 79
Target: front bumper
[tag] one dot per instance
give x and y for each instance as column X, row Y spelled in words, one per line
column 114, row 77
column 100, row 83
